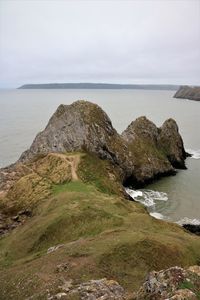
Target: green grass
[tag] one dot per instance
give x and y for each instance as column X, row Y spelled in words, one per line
column 118, row 236
column 75, row 186
column 99, row 173
column 75, row 210
column 104, row 235
column 186, row 285
column 193, row 284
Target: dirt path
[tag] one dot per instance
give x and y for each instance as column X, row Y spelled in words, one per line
column 74, row 166
column 73, row 161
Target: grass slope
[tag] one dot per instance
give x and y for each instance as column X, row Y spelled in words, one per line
column 102, row 235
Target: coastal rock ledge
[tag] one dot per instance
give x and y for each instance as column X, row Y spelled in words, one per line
column 140, row 154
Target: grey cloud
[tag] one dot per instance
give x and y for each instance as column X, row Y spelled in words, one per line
column 99, row 41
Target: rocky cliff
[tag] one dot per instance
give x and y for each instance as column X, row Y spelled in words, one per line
column 157, row 151
column 65, row 223
column 81, row 126
column 141, row 153
column 188, row 92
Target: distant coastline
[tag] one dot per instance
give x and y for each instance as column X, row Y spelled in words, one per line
column 100, row 86
column 188, row 92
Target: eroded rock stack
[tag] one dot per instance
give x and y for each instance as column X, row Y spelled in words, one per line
column 157, row 151
column 142, row 152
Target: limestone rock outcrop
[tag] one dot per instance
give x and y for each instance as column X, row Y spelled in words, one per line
column 174, row 283
column 157, row 151
column 140, row 154
column 188, row 92
column 170, row 141
column 92, row 290
column 81, row 126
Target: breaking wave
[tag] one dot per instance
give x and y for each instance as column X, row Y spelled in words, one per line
column 188, row 221
column 195, row 153
column 147, row 197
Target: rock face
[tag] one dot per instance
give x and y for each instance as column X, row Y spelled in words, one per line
column 192, row 228
column 175, row 283
column 142, row 152
column 92, row 290
column 81, row 126
column 170, row 141
column 188, row 92
column 157, row 150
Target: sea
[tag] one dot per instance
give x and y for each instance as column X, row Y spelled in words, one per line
column 23, row 113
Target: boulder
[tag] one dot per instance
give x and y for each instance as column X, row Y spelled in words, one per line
column 173, row 283
column 97, row 289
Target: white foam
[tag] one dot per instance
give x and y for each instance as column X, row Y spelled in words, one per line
column 195, row 153
column 147, row 197
column 140, row 197
column 158, row 196
column 157, row 215
column 133, row 193
column 188, row 221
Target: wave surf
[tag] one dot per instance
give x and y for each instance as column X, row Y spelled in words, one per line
column 195, row 153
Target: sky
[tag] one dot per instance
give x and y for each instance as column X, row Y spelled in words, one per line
column 144, row 41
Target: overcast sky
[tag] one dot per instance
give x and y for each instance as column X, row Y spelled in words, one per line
column 99, row 41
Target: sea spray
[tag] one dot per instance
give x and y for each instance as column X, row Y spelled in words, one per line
column 188, row 221
column 195, row 153
column 147, row 197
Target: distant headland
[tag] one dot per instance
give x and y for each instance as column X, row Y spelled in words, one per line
column 99, row 86
column 188, row 92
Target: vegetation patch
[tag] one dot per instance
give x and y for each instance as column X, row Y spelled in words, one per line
column 100, row 173
column 137, row 258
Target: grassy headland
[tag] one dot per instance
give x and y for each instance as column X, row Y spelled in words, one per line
column 101, row 233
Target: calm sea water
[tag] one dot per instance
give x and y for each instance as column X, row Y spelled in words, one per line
column 23, row 113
